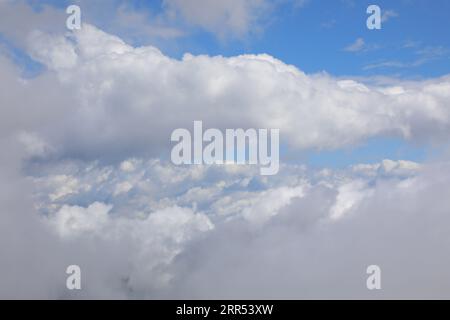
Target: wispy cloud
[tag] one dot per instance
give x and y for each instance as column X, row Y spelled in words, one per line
column 388, row 14
column 329, row 24
column 360, row 45
column 356, row 46
column 424, row 55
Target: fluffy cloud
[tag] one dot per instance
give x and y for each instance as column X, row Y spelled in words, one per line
column 48, row 19
column 78, row 185
column 105, row 85
column 246, row 236
column 401, row 226
column 306, row 234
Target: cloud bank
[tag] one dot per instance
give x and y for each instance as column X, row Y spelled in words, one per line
column 109, row 85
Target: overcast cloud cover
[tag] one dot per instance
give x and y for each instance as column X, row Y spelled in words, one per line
column 86, row 178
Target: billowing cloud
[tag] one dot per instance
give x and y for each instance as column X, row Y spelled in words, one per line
column 86, row 180
column 401, row 226
column 113, row 86
column 47, row 19
column 302, row 234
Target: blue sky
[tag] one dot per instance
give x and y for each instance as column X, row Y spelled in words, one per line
column 413, row 42
column 316, row 36
column 313, row 37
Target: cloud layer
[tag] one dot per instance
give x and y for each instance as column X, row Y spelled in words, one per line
column 85, row 179
column 108, row 85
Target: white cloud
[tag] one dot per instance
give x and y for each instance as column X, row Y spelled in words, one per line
column 388, row 14
column 71, row 220
column 128, row 165
column 34, row 145
column 356, row 46
column 388, row 167
column 123, row 187
column 154, row 240
column 57, row 50
column 104, row 107
column 268, row 203
column 234, row 18
column 18, row 19
column 118, row 86
column 349, row 195
column 302, row 255
column 316, row 232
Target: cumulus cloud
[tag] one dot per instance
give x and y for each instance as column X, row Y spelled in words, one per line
column 102, row 82
column 400, row 226
column 47, row 19
column 306, row 234
column 118, row 86
column 85, row 181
